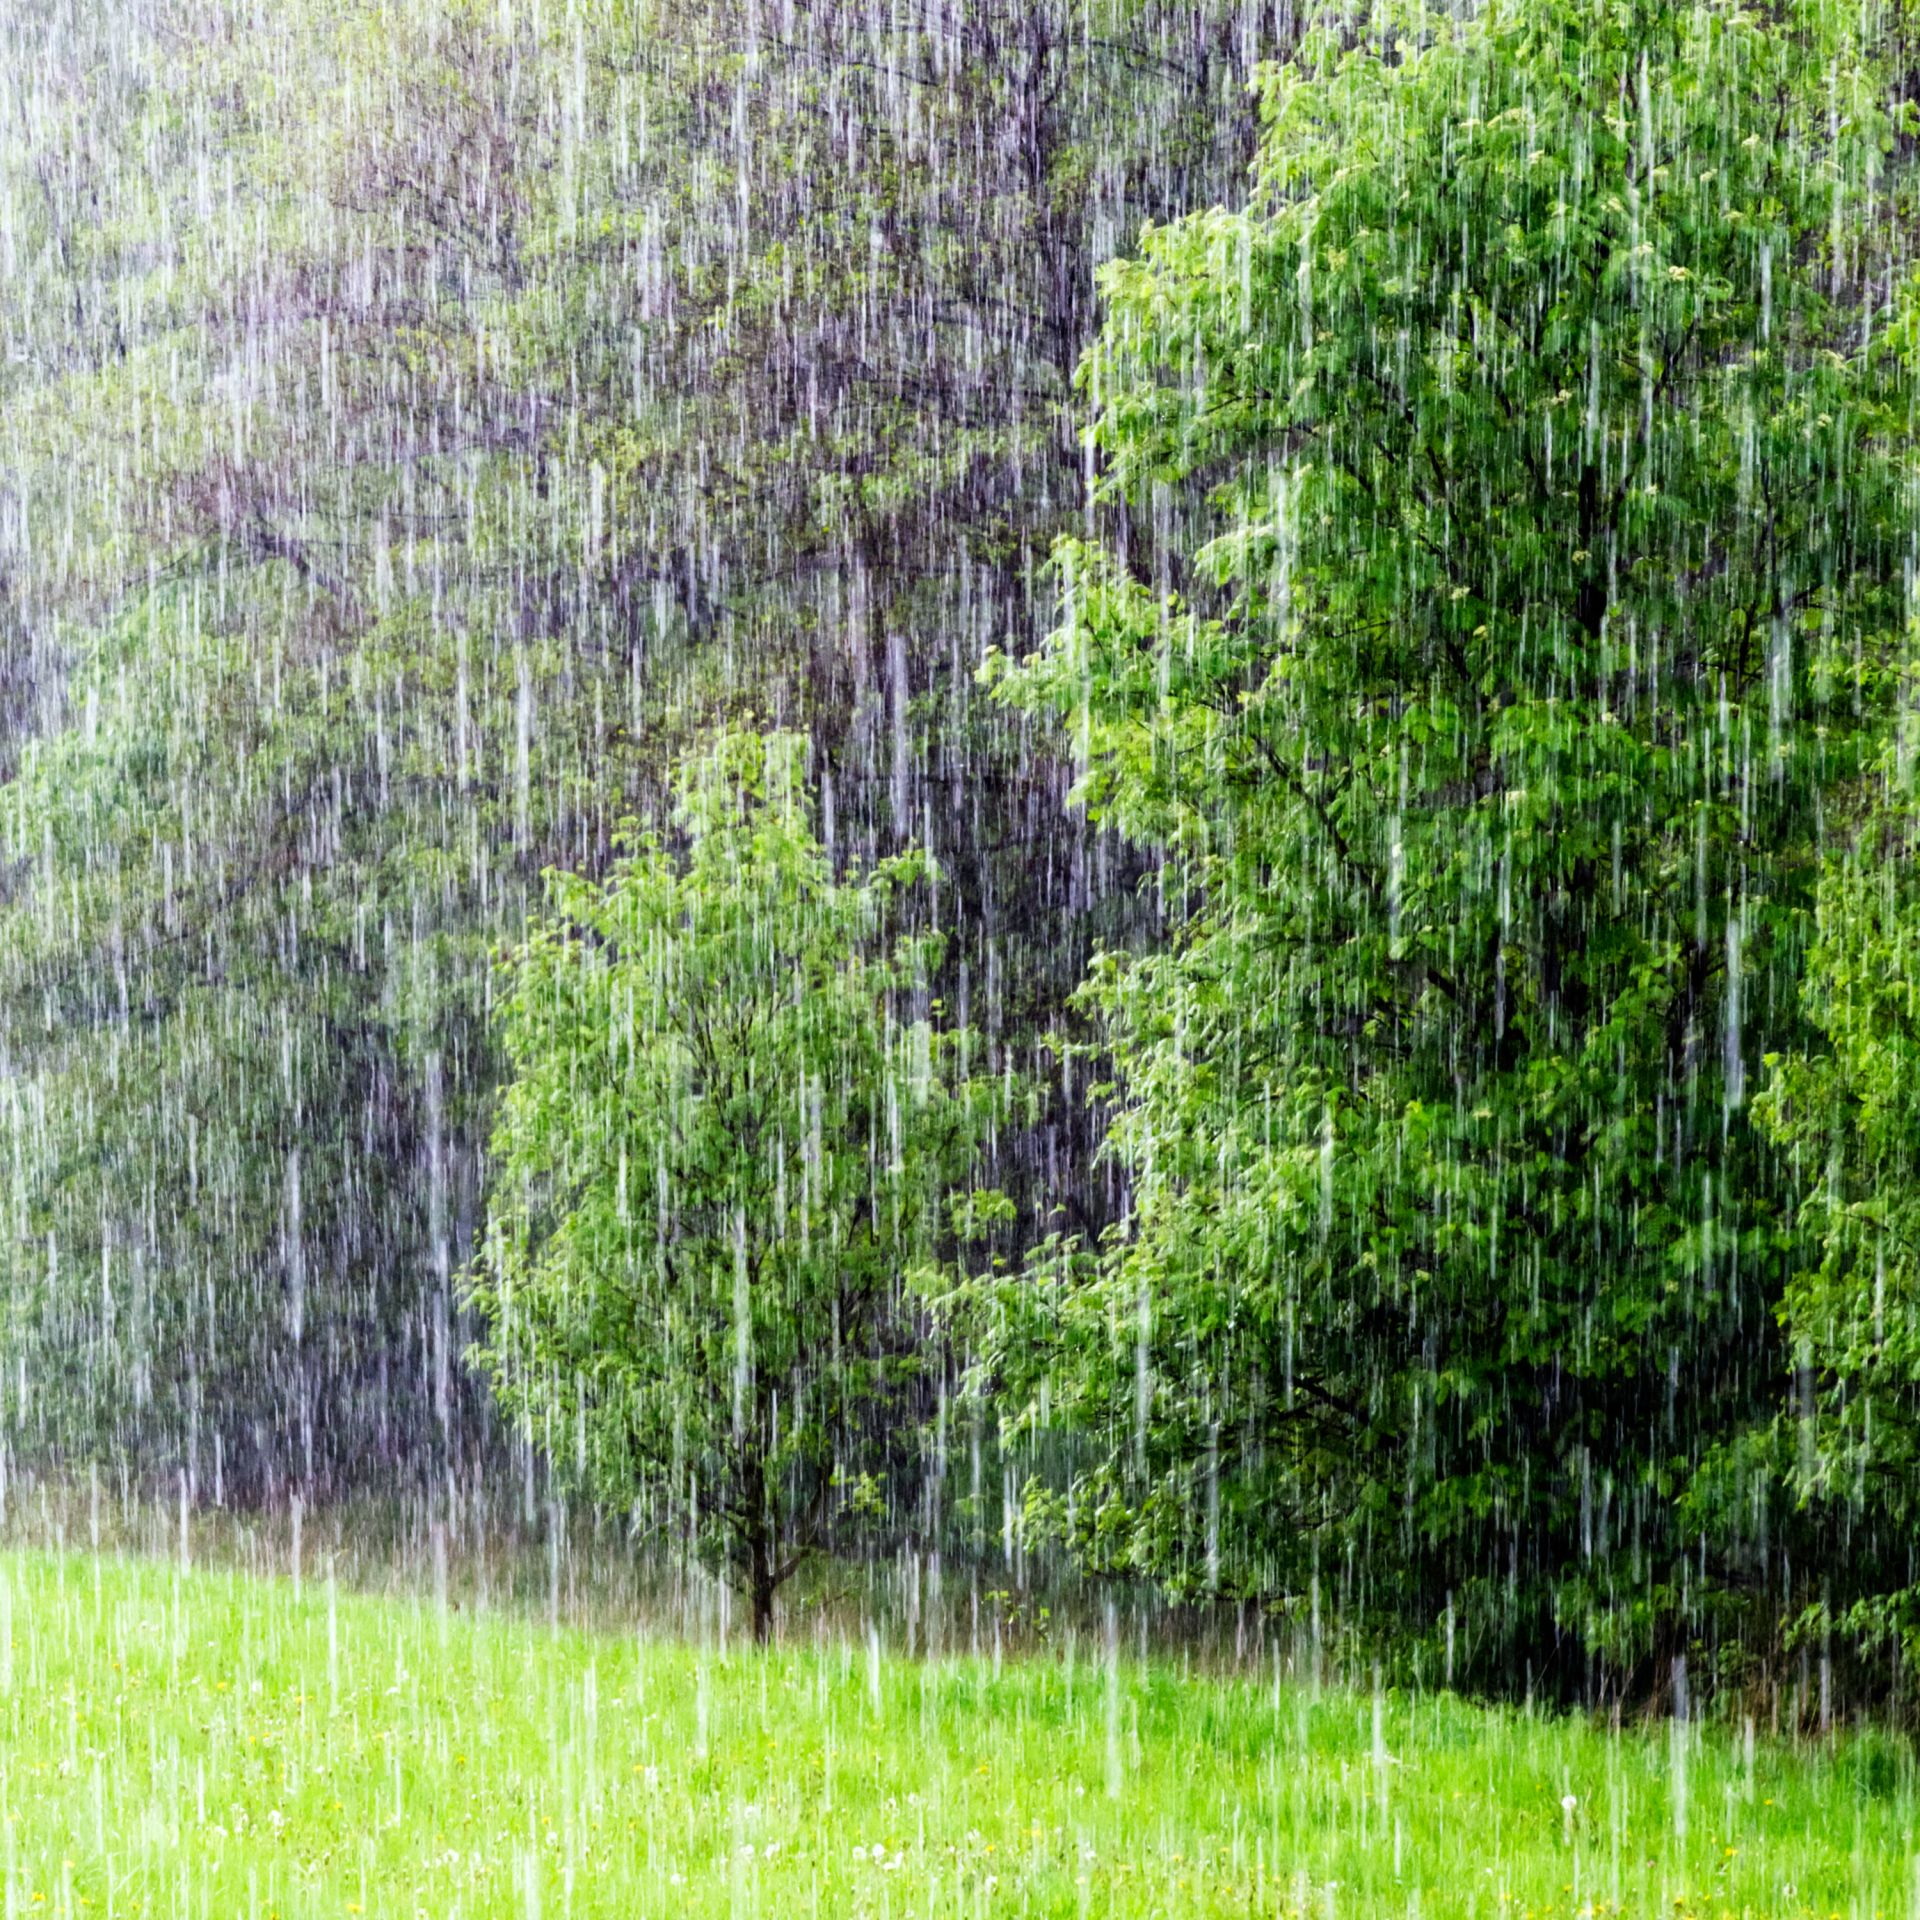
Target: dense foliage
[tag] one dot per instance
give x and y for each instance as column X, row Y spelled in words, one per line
column 736, row 1130
column 1551, row 403
column 416, row 420
column 1845, row 1102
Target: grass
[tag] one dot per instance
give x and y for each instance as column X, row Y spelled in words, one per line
column 208, row 1744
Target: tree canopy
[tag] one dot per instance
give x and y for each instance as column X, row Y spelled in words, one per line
column 420, row 420
column 1545, row 421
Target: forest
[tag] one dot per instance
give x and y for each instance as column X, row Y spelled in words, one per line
column 1076, row 832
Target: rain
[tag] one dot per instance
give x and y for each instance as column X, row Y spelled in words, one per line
column 959, row 957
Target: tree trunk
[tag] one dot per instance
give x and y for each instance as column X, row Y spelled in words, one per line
column 761, row 1585
column 761, row 1582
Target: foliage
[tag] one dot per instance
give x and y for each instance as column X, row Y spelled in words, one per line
column 419, row 420
column 1508, row 509
column 1846, row 1103
column 736, row 1132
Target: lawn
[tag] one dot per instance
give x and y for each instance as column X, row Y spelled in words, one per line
column 196, row 1743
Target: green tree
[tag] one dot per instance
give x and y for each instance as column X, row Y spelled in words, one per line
column 1846, row 1104
column 1507, row 511
column 732, row 1147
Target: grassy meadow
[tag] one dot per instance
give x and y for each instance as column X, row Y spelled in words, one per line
column 200, row 1743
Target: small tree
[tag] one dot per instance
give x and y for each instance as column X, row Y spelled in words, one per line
column 728, row 1155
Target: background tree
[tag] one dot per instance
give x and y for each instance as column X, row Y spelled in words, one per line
column 1551, row 459
column 734, row 1145
column 418, row 421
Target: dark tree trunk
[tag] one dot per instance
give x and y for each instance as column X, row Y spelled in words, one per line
column 762, row 1581
column 762, row 1604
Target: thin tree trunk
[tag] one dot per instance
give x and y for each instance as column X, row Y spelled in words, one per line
column 762, row 1605
column 760, row 1577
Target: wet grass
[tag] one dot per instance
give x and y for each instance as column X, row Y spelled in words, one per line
column 200, row 1743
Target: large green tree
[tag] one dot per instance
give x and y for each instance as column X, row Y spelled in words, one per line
column 1506, row 517
column 737, row 1141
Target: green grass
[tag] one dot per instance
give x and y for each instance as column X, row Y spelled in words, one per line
column 206, row 1744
